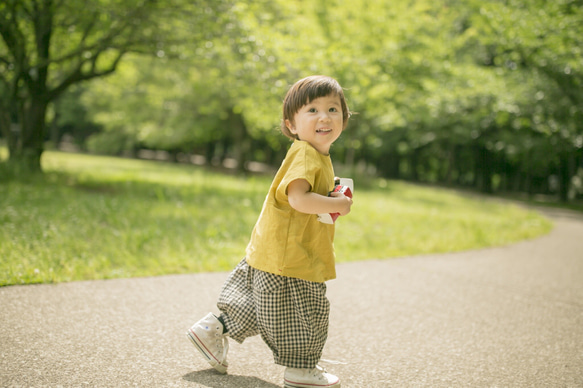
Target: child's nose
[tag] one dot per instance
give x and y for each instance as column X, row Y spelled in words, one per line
column 325, row 116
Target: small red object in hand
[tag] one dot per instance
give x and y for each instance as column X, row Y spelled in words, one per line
column 344, row 190
column 345, row 187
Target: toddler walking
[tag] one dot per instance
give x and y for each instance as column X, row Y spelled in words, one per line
column 278, row 289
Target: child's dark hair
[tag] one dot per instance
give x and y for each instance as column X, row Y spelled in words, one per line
column 306, row 90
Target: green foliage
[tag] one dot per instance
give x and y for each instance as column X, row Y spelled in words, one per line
column 47, row 46
column 115, row 142
column 460, row 91
column 94, row 217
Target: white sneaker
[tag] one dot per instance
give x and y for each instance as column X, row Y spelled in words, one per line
column 207, row 336
column 309, row 378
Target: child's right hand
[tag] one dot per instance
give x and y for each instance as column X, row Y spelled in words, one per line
column 344, row 203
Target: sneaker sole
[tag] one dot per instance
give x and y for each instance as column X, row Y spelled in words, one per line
column 208, row 356
column 288, row 384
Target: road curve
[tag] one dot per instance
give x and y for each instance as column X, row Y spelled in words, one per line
column 503, row 317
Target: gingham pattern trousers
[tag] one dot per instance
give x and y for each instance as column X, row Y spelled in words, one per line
column 290, row 314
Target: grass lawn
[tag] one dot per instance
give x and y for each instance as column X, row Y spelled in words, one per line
column 95, row 217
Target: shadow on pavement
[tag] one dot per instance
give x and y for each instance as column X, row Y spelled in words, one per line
column 211, row 378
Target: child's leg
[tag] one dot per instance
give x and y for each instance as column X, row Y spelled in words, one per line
column 237, row 305
column 292, row 317
column 209, row 335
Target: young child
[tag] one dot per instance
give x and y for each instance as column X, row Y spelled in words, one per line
column 278, row 289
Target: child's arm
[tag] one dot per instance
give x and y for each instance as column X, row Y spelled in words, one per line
column 303, row 200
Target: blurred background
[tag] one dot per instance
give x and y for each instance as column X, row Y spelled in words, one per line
column 486, row 95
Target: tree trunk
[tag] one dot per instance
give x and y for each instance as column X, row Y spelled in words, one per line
column 5, row 125
column 484, row 170
column 565, row 174
column 53, row 129
column 450, row 163
column 414, row 165
column 27, row 145
column 349, row 159
column 241, row 140
column 25, row 153
column 388, row 164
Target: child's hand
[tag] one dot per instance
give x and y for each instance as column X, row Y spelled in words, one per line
column 344, row 203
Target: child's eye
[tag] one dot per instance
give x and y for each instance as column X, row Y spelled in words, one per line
column 312, row 110
column 333, row 110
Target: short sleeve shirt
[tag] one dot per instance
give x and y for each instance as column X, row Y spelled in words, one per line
column 287, row 242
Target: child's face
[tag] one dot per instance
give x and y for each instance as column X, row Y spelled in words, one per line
column 319, row 122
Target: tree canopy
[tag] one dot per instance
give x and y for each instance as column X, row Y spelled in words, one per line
column 484, row 94
column 49, row 45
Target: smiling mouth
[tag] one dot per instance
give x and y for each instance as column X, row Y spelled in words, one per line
column 323, row 130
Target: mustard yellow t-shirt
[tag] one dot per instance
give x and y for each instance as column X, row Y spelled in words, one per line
column 289, row 243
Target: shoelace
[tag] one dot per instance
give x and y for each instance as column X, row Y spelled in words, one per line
column 222, row 343
column 318, row 371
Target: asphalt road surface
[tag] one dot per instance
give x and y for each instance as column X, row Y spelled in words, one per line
column 502, row 317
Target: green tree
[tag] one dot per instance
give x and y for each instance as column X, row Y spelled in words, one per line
column 49, row 45
column 539, row 43
column 487, row 94
column 222, row 98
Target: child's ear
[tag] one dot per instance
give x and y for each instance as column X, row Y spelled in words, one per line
column 290, row 126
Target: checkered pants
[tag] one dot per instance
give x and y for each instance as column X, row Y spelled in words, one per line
column 291, row 315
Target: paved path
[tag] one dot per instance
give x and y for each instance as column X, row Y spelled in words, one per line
column 502, row 317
